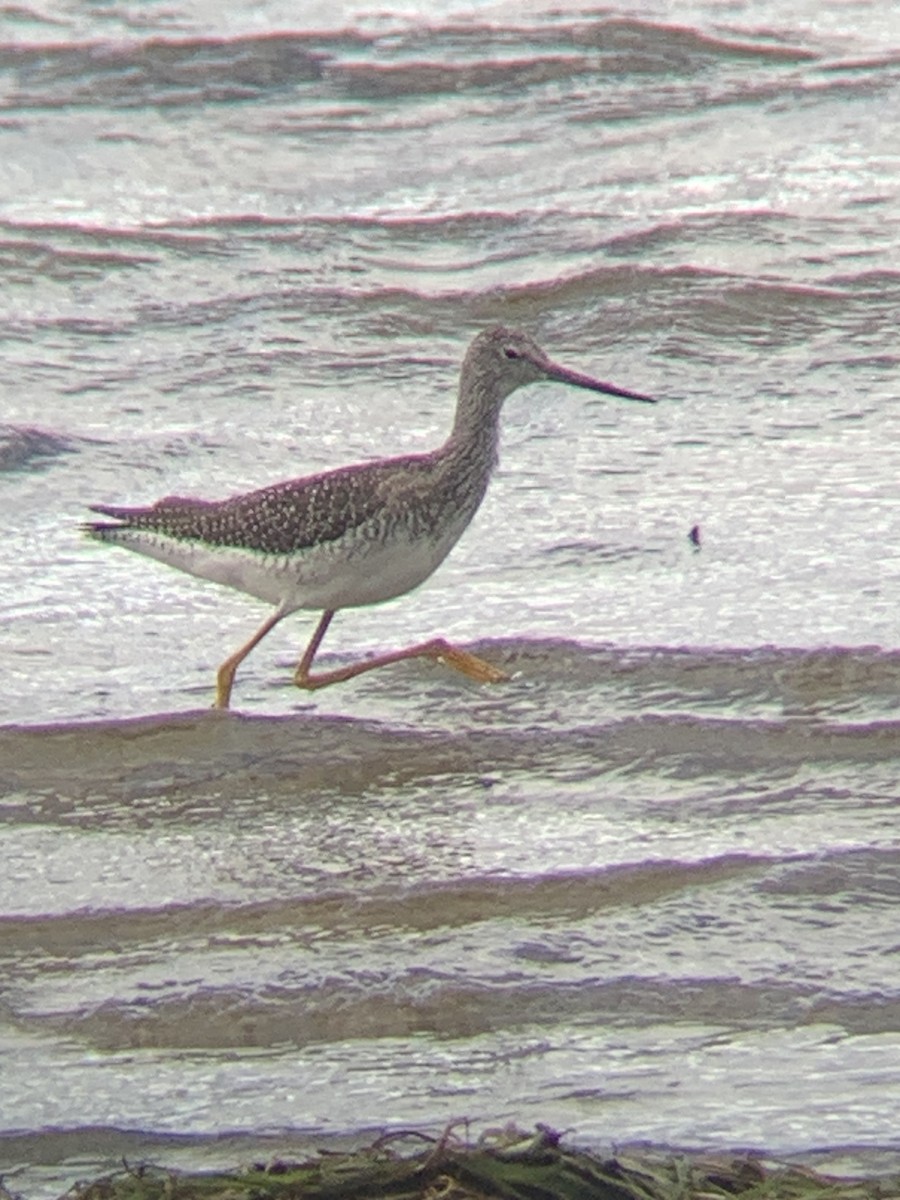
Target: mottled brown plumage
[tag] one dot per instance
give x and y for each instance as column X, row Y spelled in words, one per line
column 288, row 517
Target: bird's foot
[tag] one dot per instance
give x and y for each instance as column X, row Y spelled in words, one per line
column 224, row 684
column 468, row 664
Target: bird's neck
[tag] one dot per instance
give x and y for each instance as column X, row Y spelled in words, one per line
column 476, row 426
column 468, row 457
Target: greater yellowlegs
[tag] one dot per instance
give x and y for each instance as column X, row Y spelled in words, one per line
column 356, row 535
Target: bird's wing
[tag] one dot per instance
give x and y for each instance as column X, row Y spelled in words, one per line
column 278, row 519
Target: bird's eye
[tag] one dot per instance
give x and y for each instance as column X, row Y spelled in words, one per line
column 510, row 353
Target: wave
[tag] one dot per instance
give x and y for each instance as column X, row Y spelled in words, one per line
column 312, row 1001
column 26, row 447
column 429, row 60
column 158, row 70
column 731, row 712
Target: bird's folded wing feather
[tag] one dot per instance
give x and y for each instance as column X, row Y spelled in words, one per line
column 279, row 519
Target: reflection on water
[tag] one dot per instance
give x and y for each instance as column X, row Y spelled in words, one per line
column 647, row 889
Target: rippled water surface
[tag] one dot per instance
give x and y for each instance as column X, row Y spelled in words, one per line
column 648, row 889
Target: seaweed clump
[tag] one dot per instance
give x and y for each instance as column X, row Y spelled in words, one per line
column 501, row 1165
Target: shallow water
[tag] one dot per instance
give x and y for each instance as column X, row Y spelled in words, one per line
column 648, row 889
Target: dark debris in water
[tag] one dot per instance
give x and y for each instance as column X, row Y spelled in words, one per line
column 504, row 1164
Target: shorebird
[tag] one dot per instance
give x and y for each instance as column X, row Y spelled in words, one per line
column 356, row 535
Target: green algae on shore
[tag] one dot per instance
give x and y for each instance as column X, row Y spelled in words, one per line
column 505, row 1164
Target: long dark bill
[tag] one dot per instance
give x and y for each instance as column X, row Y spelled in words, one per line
column 576, row 379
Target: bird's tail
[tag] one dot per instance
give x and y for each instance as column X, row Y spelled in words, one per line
column 137, row 518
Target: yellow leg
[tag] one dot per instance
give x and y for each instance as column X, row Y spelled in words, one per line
column 225, row 674
column 437, row 649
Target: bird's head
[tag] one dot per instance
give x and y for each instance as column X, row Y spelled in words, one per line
column 500, row 360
